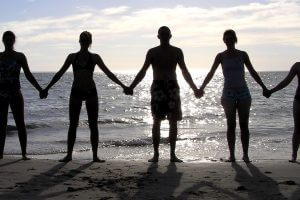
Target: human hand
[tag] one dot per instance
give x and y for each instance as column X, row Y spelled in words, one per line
column 267, row 93
column 128, row 90
column 199, row 93
column 44, row 94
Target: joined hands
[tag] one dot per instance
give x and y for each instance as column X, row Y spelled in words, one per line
column 44, row 94
column 267, row 93
column 128, row 90
column 199, row 93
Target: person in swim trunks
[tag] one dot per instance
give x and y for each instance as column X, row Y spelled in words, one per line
column 165, row 98
column 83, row 89
column 11, row 96
column 295, row 71
column 236, row 95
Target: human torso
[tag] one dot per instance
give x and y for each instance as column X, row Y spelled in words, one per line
column 10, row 67
column 233, row 70
column 298, row 76
column 83, row 70
column 164, row 61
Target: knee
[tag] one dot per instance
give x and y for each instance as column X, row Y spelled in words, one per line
column 244, row 134
column 3, row 127
column 244, row 129
column 93, row 125
column 94, row 131
column 21, row 127
column 73, row 126
column 156, row 127
column 231, row 127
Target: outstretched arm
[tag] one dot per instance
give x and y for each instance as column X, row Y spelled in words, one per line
column 287, row 79
column 28, row 73
column 210, row 74
column 60, row 73
column 108, row 73
column 139, row 77
column 255, row 75
column 186, row 74
column 252, row 71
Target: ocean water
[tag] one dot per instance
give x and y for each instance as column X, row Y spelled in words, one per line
column 125, row 121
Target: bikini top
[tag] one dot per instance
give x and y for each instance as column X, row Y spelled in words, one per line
column 90, row 66
column 234, row 72
column 9, row 75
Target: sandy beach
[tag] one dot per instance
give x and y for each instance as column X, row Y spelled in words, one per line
column 82, row 179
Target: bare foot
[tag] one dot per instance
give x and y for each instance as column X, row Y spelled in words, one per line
column 230, row 159
column 96, row 159
column 154, row 159
column 66, row 159
column 293, row 160
column 25, row 158
column 175, row 159
column 246, row 159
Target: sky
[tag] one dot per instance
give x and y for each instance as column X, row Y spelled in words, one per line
column 123, row 31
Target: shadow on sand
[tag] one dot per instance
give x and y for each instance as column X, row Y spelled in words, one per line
column 33, row 188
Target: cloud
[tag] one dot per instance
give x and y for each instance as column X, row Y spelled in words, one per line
column 275, row 22
column 268, row 23
column 116, row 10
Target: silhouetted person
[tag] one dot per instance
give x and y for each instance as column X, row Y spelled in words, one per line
column 295, row 70
column 11, row 63
column 165, row 97
column 83, row 89
column 236, row 95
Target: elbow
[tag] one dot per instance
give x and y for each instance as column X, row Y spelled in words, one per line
column 142, row 74
column 28, row 76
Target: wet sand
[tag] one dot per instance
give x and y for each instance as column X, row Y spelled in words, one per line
column 82, row 179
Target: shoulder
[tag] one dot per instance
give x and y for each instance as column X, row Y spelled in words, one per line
column 20, row 56
column 95, row 56
column 220, row 56
column 296, row 67
column 243, row 54
column 176, row 49
column 153, row 50
column 2, row 55
column 71, row 57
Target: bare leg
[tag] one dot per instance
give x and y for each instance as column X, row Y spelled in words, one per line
column 155, row 139
column 230, row 113
column 244, row 111
column 173, row 139
column 92, row 110
column 296, row 134
column 17, row 108
column 3, row 123
column 74, row 112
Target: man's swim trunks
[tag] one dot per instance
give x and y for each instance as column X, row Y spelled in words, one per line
column 165, row 100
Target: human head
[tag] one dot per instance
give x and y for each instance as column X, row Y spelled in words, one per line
column 8, row 39
column 164, row 34
column 85, row 39
column 229, row 37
